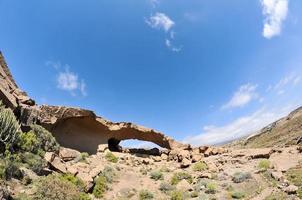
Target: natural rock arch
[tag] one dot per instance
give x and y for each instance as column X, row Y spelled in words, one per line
column 84, row 131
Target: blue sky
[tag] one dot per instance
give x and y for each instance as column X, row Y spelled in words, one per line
column 203, row 72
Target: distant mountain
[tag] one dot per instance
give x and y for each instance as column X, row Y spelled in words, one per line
column 284, row 132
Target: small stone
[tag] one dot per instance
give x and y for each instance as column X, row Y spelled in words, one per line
column 67, row 154
column 102, row 148
column 184, row 186
column 292, row 189
column 185, row 163
column 277, row 175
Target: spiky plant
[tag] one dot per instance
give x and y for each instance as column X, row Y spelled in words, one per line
column 9, row 126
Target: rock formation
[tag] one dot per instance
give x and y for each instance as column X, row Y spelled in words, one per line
column 75, row 128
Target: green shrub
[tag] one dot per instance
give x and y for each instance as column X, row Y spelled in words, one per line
column 84, row 196
column 200, row 166
column 295, row 176
column 145, row 195
column 10, row 169
column 211, row 188
column 240, row 177
column 100, row 187
column 74, row 180
column 237, row 195
column 111, row 157
column 177, row 177
column 200, row 185
column 177, row 195
column 47, row 142
column 264, row 165
column 109, row 174
column 9, row 127
column 166, row 187
column 299, row 193
column 33, row 162
column 28, row 142
column 52, row 187
column 156, row 175
column 22, row 196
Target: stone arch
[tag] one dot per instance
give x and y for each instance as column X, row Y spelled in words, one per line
column 82, row 130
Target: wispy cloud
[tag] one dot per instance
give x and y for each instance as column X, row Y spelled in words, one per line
column 160, row 21
column 68, row 80
column 275, row 12
column 245, row 94
column 172, row 47
column 291, row 80
column 272, row 107
column 238, row 128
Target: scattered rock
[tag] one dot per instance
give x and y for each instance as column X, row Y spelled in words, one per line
column 277, row 175
column 67, row 154
column 185, row 163
column 102, row 148
column 55, row 162
column 184, row 186
column 291, row 189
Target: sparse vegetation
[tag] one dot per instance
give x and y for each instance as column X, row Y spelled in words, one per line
column 166, row 187
column 200, row 166
column 156, row 175
column 84, row 196
column 52, row 187
column 100, row 187
column 295, row 177
column 237, row 195
column 145, row 195
column 211, row 188
column 109, row 174
column 33, row 162
column 74, row 180
column 177, row 177
column 264, row 165
column 276, row 196
column 240, row 177
column 111, row 157
column 177, row 195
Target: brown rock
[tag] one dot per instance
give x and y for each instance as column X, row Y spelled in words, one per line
column 67, row 154
column 184, row 186
column 185, row 163
column 55, row 162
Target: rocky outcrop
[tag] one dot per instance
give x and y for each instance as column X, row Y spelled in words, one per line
column 10, row 94
column 75, row 128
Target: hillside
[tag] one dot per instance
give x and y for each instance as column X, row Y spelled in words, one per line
column 284, row 132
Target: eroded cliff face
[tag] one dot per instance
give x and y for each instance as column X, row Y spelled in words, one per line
column 75, row 128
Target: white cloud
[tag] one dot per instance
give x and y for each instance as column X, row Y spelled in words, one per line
column 67, row 80
column 238, row 128
column 275, row 12
column 160, row 21
column 291, row 80
column 245, row 94
column 172, row 47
